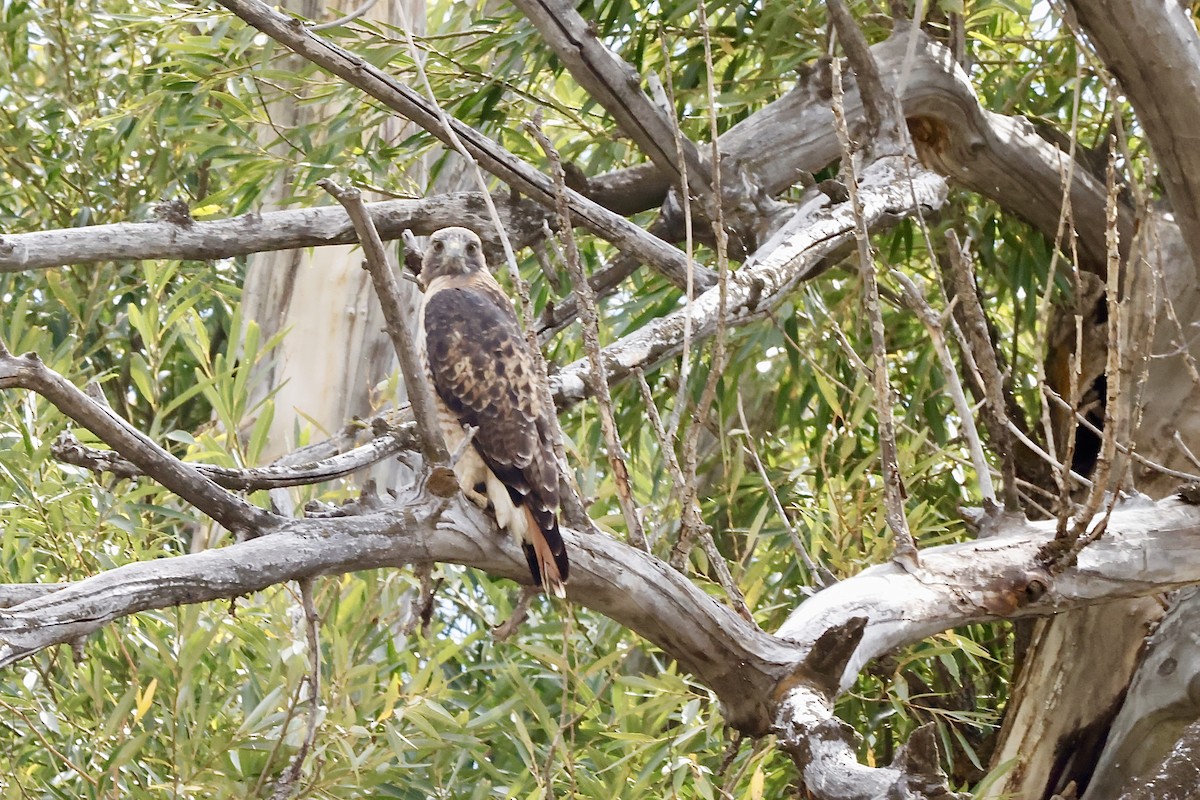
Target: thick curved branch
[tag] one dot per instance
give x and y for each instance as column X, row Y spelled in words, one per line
column 998, row 156
column 1147, row 549
column 739, row 661
column 782, row 682
column 794, row 254
column 1162, row 81
column 235, row 514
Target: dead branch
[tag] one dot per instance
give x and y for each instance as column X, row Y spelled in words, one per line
column 521, row 176
column 914, row 298
column 232, row 512
column 793, row 254
column 255, row 232
column 399, row 330
column 304, row 472
column 904, row 548
column 995, row 416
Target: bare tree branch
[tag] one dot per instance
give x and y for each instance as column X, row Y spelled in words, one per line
column 998, row 156
column 880, row 109
column 914, row 298
column 29, row 372
column 387, row 290
column 518, row 174
column 614, row 84
column 793, row 254
column 627, row 584
column 1141, row 42
column 904, row 549
column 1148, row 549
column 259, row 233
column 995, row 416
column 304, row 472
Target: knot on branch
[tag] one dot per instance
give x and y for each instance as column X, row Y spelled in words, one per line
column 1016, row 590
column 175, row 212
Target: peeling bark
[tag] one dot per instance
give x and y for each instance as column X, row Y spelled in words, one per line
column 1160, row 709
column 1162, row 82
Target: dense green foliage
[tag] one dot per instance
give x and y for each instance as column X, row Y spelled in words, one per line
column 113, row 106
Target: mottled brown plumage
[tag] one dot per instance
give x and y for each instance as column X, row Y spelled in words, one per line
column 483, row 375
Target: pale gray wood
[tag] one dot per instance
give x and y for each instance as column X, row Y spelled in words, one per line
column 1153, row 49
column 209, row 240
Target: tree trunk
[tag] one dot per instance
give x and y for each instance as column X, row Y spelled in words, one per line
column 335, row 358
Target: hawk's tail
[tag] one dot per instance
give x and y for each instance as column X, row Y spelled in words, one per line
column 545, row 552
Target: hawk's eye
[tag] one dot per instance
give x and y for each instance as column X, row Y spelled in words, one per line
column 472, row 248
column 438, row 246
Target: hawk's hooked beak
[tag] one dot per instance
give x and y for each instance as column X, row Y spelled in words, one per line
column 455, row 255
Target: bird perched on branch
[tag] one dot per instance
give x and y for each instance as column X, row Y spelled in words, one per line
column 483, row 375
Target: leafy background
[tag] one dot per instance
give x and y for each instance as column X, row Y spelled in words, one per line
column 114, row 106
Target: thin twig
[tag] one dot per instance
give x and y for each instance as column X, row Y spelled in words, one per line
column 1182, row 346
column 905, row 549
column 345, row 20
column 1140, row 293
column 666, row 447
column 656, row 424
column 995, row 415
column 1187, row 451
column 1121, row 448
column 469, row 432
column 69, row 450
column 1106, row 481
column 286, row 786
column 387, row 290
column 685, row 200
column 1114, row 416
column 820, row 576
column 694, row 526
column 1049, row 459
column 589, row 318
column 915, row 299
column 520, row 610
column 1065, row 228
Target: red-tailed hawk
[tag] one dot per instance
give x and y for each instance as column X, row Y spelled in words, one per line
column 482, row 373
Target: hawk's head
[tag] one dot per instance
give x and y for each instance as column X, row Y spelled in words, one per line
column 451, row 251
